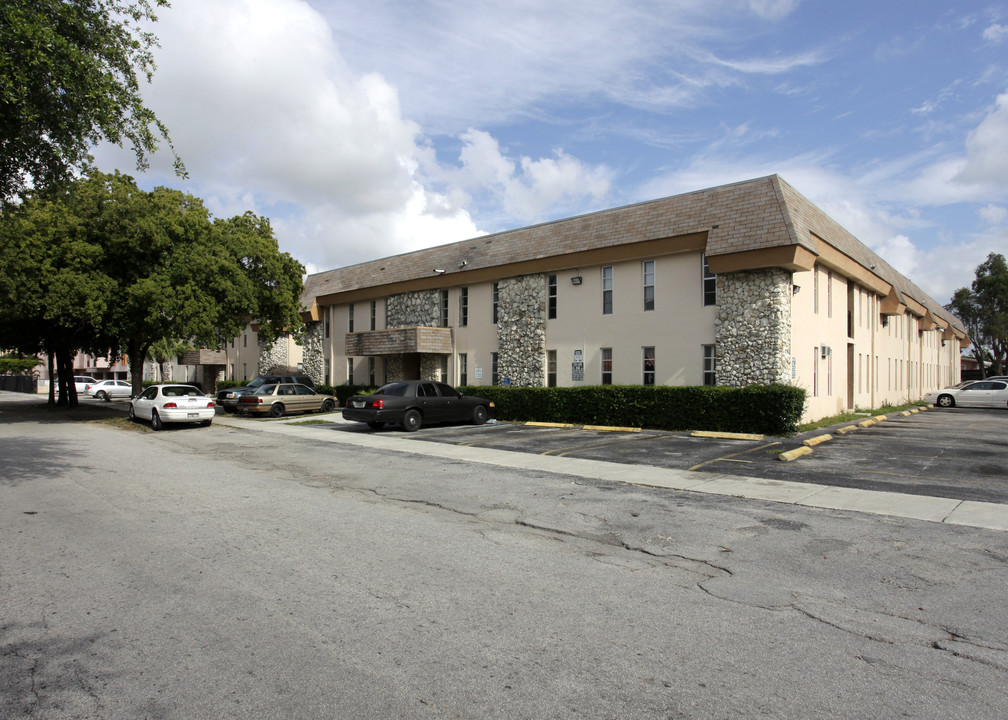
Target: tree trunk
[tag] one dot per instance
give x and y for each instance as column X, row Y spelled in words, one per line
column 53, row 381
column 64, row 369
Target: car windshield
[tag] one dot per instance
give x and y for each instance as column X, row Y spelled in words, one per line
column 396, row 389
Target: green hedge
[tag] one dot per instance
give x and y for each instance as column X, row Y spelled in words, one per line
column 767, row 409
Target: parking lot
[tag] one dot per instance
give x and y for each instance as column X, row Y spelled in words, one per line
column 959, row 453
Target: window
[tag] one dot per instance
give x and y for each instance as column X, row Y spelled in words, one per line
column 829, row 293
column 709, row 365
column 649, row 283
column 551, row 297
column 374, row 314
column 463, row 306
column 551, row 368
column 444, row 308
column 463, row 369
column 815, row 289
column 328, row 368
column 709, row 283
column 815, row 372
column 443, row 369
column 327, row 312
column 607, row 366
column 349, row 371
column 496, row 297
column 244, row 339
column 649, row 366
column 493, row 367
column 371, row 371
column 350, row 318
column 607, row 290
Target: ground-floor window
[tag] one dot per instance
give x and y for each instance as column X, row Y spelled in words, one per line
column 649, row 366
column 709, row 365
column 371, row 371
column 607, row 366
column 493, row 368
column 327, row 380
column 551, row 368
column 349, row 371
column 443, row 369
column 815, row 371
column 463, row 369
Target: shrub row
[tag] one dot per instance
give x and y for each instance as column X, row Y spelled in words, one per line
column 767, row 409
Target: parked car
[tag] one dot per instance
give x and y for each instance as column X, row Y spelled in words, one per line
column 172, row 404
column 412, row 403
column 981, row 393
column 81, row 382
column 276, row 400
column 108, row 389
column 228, row 397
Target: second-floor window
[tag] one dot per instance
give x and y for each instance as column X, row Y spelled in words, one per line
column 648, row 268
column 374, row 314
column 607, row 290
column 350, row 318
column 496, row 297
column 444, row 308
column 709, row 284
column 463, row 306
column 551, row 297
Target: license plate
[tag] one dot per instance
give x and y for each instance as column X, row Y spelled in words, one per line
column 358, row 404
column 194, row 416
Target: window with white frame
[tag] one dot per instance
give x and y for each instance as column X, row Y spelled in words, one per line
column 350, row 318
column 709, row 283
column 349, row 371
column 551, row 297
column 493, row 368
column 709, row 365
column 648, row 270
column 374, row 315
column 444, row 309
column 649, row 366
column 371, row 371
column 607, row 290
column 463, row 369
column 607, row 366
column 463, row 306
column 551, row 368
column 494, row 300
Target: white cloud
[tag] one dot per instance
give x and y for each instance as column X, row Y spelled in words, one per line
column 993, row 214
column 773, row 9
column 987, row 149
column 995, row 33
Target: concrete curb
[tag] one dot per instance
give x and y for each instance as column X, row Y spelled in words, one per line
column 817, row 440
column 798, row 452
column 989, row 516
column 726, row 435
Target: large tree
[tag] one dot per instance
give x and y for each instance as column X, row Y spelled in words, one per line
column 983, row 308
column 109, row 268
column 68, row 80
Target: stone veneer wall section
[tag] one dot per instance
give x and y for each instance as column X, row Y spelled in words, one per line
column 313, row 359
column 412, row 309
column 270, row 358
column 753, row 327
column 521, row 330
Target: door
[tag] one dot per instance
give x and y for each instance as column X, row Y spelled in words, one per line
column 431, row 402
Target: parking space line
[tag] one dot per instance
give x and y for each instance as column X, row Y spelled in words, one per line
column 733, row 455
column 563, row 452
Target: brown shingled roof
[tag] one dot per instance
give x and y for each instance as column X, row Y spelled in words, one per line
column 751, row 215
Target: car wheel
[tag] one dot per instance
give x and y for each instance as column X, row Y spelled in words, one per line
column 328, row 406
column 101, row 395
column 411, row 420
column 376, row 425
column 946, row 401
column 479, row 415
column 155, row 421
column 276, row 410
column 132, row 413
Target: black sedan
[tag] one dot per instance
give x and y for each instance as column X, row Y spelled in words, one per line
column 412, row 403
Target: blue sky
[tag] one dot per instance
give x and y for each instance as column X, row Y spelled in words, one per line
column 365, row 129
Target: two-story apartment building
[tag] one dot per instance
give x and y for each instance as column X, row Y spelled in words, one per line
column 739, row 284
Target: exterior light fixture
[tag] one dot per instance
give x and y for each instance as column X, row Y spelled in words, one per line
column 576, row 280
column 795, row 289
column 439, row 271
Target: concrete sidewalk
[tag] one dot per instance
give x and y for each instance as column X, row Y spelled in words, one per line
column 991, row 516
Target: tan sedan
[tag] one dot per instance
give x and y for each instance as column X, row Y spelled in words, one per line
column 277, row 400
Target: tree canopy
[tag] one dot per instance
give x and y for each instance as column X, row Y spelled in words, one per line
column 983, row 308
column 107, row 268
column 68, row 80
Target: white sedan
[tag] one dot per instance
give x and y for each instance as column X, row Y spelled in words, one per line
column 981, row 393
column 172, row 404
column 108, row 389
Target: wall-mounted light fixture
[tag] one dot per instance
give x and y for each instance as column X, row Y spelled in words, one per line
column 576, row 280
column 795, row 289
column 439, row 271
